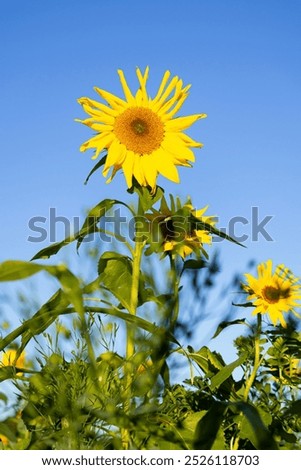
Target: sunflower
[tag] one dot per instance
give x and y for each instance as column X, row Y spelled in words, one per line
column 141, row 135
column 9, row 358
column 273, row 293
column 179, row 230
column 194, row 239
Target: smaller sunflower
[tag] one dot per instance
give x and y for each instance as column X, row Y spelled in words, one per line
column 273, row 293
column 9, row 359
column 179, row 228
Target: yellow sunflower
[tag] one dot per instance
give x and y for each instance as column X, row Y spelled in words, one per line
column 8, row 358
column 141, row 135
column 178, row 229
column 273, row 293
column 194, row 239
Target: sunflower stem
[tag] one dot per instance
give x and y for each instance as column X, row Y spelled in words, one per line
column 257, row 361
column 175, row 279
column 251, row 379
column 130, row 339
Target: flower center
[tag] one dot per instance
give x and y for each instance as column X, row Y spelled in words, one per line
column 271, row 294
column 139, row 129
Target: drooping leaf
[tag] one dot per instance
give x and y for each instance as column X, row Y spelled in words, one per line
column 52, row 249
column 194, row 264
column 89, row 227
column 246, row 304
column 225, row 324
column 99, row 164
column 94, row 215
column 14, row 270
column 201, row 225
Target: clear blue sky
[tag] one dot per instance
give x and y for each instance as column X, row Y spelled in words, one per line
column 243, row 59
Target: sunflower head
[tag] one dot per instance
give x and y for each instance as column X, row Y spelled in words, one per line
column 10, row 358
column 273, row 293
column 181, row 229
column 141, row 134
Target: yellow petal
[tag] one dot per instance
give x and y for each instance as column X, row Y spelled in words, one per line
column 89, row 106
column 127, row 92
column 182, row 123
column 113, row 100
column 162, row 86
column 115, row 156
column 100, row 142
column 175, row 146
column 149, row 170
column 165, row 166
column 127, row 167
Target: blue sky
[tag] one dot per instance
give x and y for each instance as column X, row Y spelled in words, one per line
column 243, row 61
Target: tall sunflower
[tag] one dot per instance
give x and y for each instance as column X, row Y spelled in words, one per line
column 273, row 293
column 141, row 135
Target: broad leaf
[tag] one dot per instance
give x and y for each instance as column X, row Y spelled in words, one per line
column 208, row 427
column 115, row 273
column 253, row 428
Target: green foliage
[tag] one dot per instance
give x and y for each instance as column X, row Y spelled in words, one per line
column 123, row 336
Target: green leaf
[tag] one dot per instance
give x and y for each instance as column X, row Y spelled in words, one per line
column 225, row 324
column 208, row 427
column 115, row 273
column 52, row 249
column 253, row 428
column 200, row 225
column 95, row 168
column 294, row 409
column 247, row 304
column 16, row 270
column 226, row 371
column 194, row 264
column 94, row 215
column 89, row 226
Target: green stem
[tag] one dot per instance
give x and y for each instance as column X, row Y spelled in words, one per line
column 251, row 379
column 256, row 365
column 130, row 340
column 175, row 279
